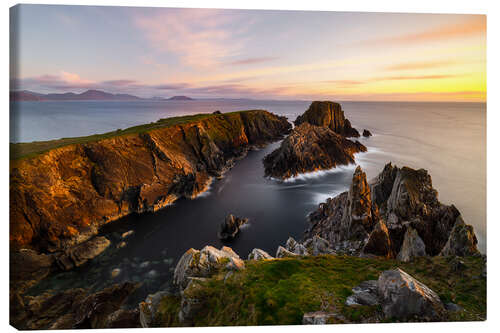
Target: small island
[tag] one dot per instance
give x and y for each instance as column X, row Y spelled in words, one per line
column 180, row 98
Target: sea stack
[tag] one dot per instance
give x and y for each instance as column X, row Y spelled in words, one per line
column 328, row 114
column 318, row 142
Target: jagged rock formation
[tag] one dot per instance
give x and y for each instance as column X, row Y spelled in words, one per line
column 328, row 114
column 398, row 213
column 231, row 226
column 59, row 198
column 81, row 253
column 310, row 148
column 367, row 133
column 413, row 246
column 149, row 308
column 258, row 254
column 200, row 264
column 73, row 309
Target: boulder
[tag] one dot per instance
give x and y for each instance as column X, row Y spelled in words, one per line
column 284, row 253
column 258, row 254
column 310, row 148
column 81, row 253
column 231, row 227
column 379, row 241
column 413, row 246
column 195, row 263
column 149, row 308
column 327, row 114
column 293, row 246
column 404, row 298
column 317, row 245
column 366, row 133
column 364, row 294
column 462, row 241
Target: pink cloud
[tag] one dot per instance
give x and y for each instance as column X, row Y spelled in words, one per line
column 199, row 37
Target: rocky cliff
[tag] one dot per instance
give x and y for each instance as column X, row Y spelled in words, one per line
column 397, row 215
column 328, row 114
column 310, row 148
column 59, row 198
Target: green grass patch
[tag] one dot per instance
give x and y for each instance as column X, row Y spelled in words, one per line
column 32, row 149
column 279, row 292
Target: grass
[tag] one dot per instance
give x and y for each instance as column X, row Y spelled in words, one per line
column 32, row 149
column 279, row 292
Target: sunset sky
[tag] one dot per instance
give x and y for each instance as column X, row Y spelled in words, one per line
column 207, row 53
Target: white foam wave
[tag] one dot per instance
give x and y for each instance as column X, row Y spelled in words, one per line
column 320, row 173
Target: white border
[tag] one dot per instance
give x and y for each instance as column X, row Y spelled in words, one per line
column 422, row 6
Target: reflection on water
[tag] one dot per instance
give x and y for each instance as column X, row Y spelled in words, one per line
column 448, row 139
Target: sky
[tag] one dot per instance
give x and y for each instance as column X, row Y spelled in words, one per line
column 260, row 54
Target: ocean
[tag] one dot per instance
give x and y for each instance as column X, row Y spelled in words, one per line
column 447, row 139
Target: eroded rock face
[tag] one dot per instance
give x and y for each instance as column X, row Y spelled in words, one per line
column 366, row 133
column 327, row 114
column 309, row 148
column 231, row 226
column 403, row 297
column 281, row 252
column 293, row 246
column 60, row 198
column 195, row 263
column 364, row 294
column 73, row 308
column 27, row 267
column 403, row 204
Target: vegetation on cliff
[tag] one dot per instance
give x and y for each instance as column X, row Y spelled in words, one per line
column 260, row 294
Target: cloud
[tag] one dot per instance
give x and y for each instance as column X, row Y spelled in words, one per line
column 251, row 61
column 473, row 26
column 200, row 38
column 419, row 65
column 347, row 83
column 119, row 83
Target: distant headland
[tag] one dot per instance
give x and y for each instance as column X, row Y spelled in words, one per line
column 89, row 95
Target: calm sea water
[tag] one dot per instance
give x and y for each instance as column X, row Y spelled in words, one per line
column 447, row 139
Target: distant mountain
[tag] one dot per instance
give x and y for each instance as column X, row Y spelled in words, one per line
column 25, row 95
column 89, row 95
column 180, row 98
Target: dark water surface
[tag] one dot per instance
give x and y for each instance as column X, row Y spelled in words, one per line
column 447, row 139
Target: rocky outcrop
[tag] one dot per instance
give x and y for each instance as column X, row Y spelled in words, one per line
column 293, row 246
column 73, row 308
column 379, row 242
column 327, row 114
column 27, row 268
column 231, row 226
column 281, row 252
column 413, row 246
column 310, row 148
column 61, row 197
column 402, row 204
column 462, row 241
column 149, row 308
column 364, row 294
column 195, row 263
column 258, row 254
column 367, row 133
column 81, row 253
column 403, row 297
